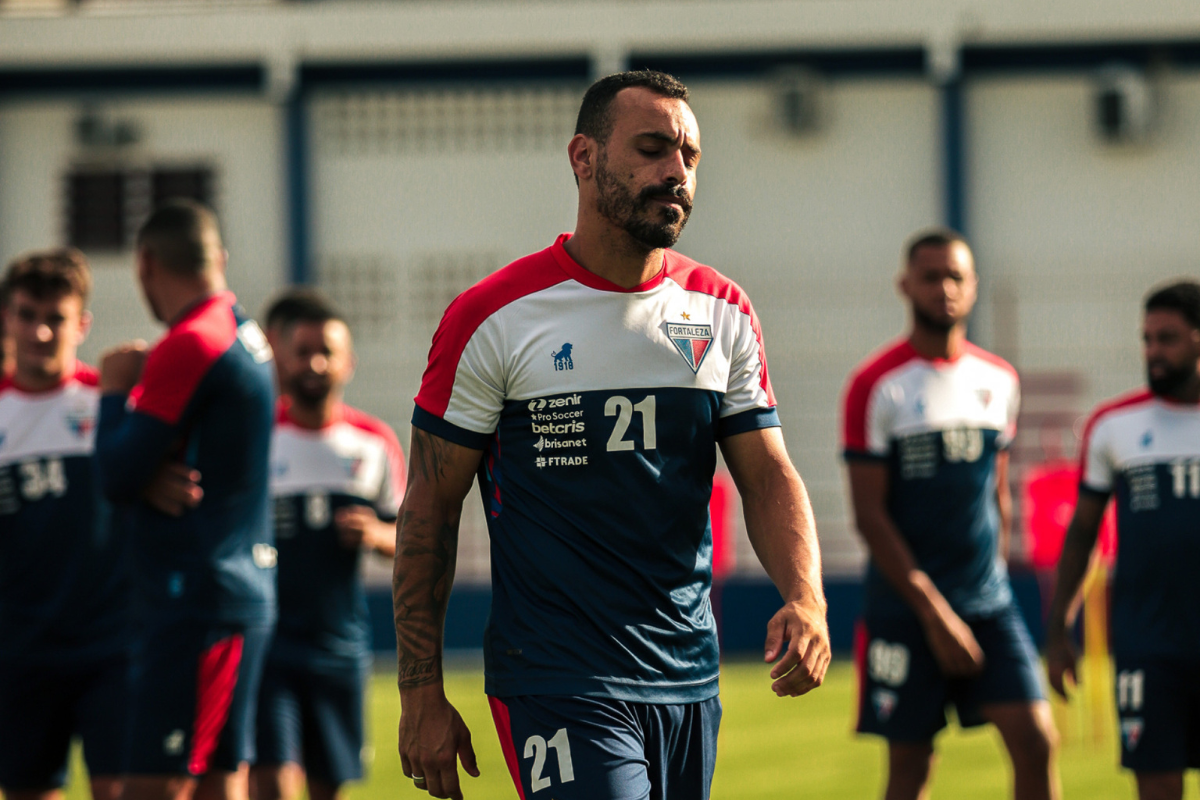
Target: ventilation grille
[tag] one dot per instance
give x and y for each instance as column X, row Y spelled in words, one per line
column 363, row 288
column 445, row 121
column 438, row 278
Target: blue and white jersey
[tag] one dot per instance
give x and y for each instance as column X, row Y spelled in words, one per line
column 1146, row 451
column 63, row 575
column 353, row 461
column 938, row 425
column 599, row 409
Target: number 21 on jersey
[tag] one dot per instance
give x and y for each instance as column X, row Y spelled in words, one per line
column 536, row 747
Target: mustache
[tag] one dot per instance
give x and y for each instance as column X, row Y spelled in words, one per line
column 666, row 190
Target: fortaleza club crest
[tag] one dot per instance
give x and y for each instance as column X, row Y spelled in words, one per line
column 80, row 422
column 692, row 341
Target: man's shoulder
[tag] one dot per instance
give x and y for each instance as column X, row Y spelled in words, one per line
column 1120, row 406
column 525, row 276
column 990, row 361
column 880, row 365
column 692, row 276
column 370, row 425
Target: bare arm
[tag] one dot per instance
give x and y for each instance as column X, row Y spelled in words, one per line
column 1004, row 504
column 432, row 733
column 1072, row 567
column 949, row 637
column 780, row 522
column 361, row 527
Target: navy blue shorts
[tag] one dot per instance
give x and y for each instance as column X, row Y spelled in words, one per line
column 903, row 695
column 593, row 748
column 1158, row 703
column 314, row 717
column 195, row 697
column 43, row 707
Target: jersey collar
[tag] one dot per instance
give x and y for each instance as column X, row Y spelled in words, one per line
column 594, row 281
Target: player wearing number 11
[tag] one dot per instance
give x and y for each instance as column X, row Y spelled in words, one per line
column 1144, row 449
column 589, row 386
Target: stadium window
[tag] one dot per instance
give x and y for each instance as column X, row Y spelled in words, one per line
column 104, row 207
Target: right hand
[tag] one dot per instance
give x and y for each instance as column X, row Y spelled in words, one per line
column 432, row 738
column 953, row 645
column 1060, row 660
column 174, row 489
column 121, row 367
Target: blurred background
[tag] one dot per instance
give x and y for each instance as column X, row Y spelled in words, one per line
column 393, row 153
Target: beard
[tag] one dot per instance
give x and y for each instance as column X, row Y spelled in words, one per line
column 308, row 393
column 636, row 214
column 1170, row 381
column 930, row 323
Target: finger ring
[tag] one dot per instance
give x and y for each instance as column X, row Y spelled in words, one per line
column 418, row 778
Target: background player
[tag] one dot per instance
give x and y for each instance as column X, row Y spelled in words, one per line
column 596, row 470
column 337, row 479
column 1144, row 449
column 203, row 397
column 64, row 587
column 926, row 424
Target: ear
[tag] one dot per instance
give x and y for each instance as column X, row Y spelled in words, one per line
column 581, row 152
column 221, row 261
column 144, row 263
column 85, row 326
column 902, row 285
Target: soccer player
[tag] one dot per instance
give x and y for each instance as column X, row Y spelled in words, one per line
column 927, row 421
column 64, row 588
column 202, row 400
column 1144, row 449
column 337, row 479
column 589, row 386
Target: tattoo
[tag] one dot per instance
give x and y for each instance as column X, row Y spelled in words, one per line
column 426, row 554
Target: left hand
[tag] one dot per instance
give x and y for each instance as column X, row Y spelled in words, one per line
column 358, row 526
column 174, row 489
column 802, row 625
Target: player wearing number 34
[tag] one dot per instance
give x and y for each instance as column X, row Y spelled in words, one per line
column 1144, row 450
column 589, row 386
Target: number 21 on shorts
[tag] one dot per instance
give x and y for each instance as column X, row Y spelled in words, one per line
column 536, row 748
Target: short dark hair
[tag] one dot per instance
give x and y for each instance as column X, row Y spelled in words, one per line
column 300, row 304
column 1182, row 297
column 932, row 237
column 176, row 232
column 46, row 273
column 595, row 117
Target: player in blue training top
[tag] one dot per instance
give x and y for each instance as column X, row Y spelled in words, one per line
column 64, row 586
column 201, row 400
column 589, row 386
column 1144, row 449
column 337, row 478
column 927, row 424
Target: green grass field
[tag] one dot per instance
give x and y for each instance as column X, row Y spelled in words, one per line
column 772, row 747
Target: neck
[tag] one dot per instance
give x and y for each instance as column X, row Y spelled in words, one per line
column 933, row 343
column 608, row 251
column 1188, row 393
column 36, row 381
column 184, row 293
column 314, row 416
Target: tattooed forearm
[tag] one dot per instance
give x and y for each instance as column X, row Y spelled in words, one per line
column 428, row 454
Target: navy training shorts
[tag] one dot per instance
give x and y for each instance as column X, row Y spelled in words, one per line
column 595, row 748
column 1158, row 704
column 43, row 706
column 312, row 716
column 902, row 693
column 195, row 696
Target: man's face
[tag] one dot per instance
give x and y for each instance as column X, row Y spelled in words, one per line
column 940, row 284
column 1172, row 348
column 646, row 170
column 45, row 333
column 314, row 359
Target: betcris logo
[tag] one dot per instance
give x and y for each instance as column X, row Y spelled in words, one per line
column 575, row 426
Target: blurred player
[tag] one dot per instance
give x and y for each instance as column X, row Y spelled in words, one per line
column 285, row 309
column 201, row 401
column 589, row 386
column 336, row 477
column 1144, row 449
column 64, row 587
column 926, row 426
